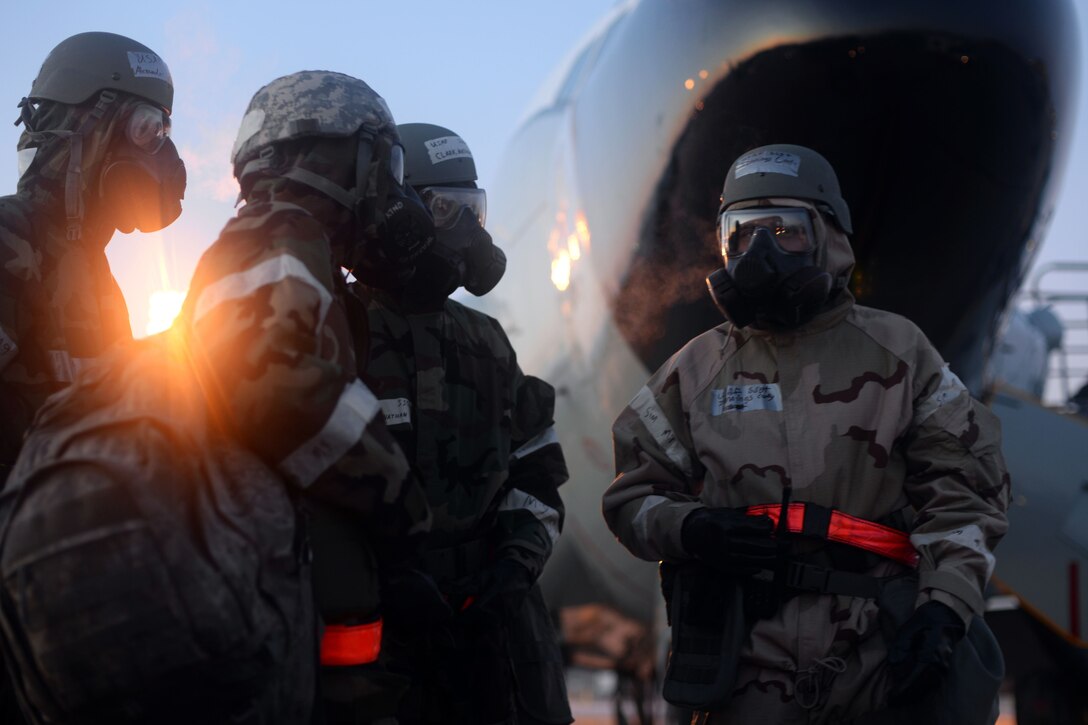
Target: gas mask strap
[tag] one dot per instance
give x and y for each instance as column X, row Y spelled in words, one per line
column 73, row 181
column 320, row 183
column 364, row 153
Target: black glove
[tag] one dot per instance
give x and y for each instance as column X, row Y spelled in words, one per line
column 503, row 587
column 411, row 601
column 730, row 540
column 919, row 656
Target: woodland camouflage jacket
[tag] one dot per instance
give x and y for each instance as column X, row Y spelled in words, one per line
column 60, row 307
column 477, row 429
column 267, row 328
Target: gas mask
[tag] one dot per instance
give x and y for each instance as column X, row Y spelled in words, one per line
column 463, row 255
column 143, row 179
column 771, row 276
column 392, row 227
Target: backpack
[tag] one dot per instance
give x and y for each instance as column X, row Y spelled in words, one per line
column 150, row 569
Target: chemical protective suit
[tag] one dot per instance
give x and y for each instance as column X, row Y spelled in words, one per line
column 830, row 404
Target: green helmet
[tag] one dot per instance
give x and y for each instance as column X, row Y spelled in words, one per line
column 87, row 63
column 435, row 156
column 784, row 170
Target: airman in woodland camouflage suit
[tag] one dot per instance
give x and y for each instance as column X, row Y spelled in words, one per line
column 95, row 157
column 479, row 432
column 846, row 412
column 316, row 159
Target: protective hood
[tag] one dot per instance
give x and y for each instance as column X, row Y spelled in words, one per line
column 83, row 169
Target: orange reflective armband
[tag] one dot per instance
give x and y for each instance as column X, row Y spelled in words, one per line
column 819, row 521
column 346, row 645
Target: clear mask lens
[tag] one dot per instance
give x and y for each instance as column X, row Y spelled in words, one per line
column 790, row 227
column 148, row 128
column 445, row 203
column 396, row 164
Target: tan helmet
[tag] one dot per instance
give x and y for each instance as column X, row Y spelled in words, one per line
column 87, row 63
column 785, row 170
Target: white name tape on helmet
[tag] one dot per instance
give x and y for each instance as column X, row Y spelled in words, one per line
column 446, row 148
column 148, row 65
column 767, row 162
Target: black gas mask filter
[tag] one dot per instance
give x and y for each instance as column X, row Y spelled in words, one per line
column 463, row 255
column 771, row 276
column 393, row 226
column 143, row 178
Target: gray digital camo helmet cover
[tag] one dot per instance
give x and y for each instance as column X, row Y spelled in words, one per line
column 84, row 64
column 786, row 170
column 435, row 155
column 304, row 104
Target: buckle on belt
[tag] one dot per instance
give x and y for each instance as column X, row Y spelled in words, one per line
column 807, row 578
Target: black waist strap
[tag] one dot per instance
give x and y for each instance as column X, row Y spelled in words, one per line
column 821, row 580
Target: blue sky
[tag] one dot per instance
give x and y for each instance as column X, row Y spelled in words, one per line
column 470, row 66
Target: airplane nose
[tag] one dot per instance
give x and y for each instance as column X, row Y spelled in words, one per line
column 947, row 136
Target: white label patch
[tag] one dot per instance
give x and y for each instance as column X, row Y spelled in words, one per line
column 148, row 65
column 767, row 162
column 446, row 148
column 397, row 411
column 26, row 158
column 742, row 398
column 251, row 124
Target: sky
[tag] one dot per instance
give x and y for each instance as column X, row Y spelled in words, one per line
column 473, row 67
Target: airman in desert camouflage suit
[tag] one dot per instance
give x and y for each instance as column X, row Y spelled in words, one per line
column 95, row 158
column 807, row 398
column 317, row 157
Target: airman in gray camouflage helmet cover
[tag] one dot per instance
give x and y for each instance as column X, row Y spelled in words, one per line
column 265, row 316
column 480, row 433
column 824, row 456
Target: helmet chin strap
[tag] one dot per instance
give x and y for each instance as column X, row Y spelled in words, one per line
column 74, row 207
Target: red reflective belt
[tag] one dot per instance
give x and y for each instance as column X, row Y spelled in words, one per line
column 343, row 645
column 833, row 525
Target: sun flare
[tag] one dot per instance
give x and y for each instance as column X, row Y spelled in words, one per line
column 162, row 307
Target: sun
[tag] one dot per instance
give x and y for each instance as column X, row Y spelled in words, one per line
column 162, row 307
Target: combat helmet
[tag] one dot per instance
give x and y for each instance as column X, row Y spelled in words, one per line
column 786, row 170
column 435, row 156
column 84, row 64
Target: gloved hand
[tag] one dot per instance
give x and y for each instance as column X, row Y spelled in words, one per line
column 411, row 598
column 729, row 539
column 918, row 657
column 503, row 587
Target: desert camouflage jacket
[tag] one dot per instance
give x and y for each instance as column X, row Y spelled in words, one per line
column 266, row 325
column 478, row 430
column 856, row 411
column 60, row 307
